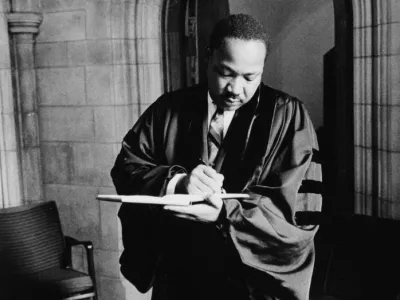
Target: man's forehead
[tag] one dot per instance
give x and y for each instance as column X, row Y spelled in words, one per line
column 248, row 55
column 234, row 46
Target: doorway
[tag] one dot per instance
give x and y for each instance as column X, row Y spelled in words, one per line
column 187, row 26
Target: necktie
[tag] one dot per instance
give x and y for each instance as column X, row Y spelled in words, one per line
column 215, row 134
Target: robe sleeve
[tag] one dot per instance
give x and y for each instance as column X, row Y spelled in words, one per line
column 263, row 228
column 140, row 167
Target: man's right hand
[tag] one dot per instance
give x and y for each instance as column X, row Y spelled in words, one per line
column 203, row 180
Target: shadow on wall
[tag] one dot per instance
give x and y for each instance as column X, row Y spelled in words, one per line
column 295, row 64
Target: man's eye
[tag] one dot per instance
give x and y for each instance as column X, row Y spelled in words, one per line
column 250, row 78
column 225, row 74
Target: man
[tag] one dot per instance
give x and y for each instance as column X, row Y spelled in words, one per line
column 264, row 140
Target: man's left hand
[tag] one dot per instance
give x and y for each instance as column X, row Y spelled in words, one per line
column 204, row 212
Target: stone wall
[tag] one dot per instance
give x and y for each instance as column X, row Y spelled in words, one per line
column 98, row 67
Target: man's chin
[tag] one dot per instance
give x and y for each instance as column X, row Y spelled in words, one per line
column 231, row 108
column 228, row 104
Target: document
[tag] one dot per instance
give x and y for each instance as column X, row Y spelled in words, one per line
column 173, row 199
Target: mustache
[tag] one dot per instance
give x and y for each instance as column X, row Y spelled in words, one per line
column 231, row 95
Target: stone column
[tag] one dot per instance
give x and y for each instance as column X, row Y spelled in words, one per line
column 23, row 27
column 10, row 185
column 25, row 5
column 376, row 107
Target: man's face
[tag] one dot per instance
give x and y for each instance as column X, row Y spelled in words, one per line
column 234, row 72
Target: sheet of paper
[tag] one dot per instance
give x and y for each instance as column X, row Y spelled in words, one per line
column 174, row 199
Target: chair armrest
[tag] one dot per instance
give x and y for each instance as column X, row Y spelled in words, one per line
column 88, row 245
column 70, row 241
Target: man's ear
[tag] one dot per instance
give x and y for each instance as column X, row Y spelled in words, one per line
column 208, row 56
column 208, row 53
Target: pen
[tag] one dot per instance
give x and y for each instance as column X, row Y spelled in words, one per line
column 202, row 162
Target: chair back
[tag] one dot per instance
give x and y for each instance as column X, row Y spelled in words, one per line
column 31, row 238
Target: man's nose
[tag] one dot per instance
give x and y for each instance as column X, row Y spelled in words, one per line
column 235, row 86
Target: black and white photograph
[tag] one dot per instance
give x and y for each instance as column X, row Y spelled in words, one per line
column 199, row 149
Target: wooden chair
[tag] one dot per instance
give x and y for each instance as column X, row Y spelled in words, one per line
column 35, row 256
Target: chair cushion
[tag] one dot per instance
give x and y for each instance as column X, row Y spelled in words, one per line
column 64, row 281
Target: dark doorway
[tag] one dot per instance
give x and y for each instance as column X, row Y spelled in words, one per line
column 187, row 26
column 340, row 114
column 209, row 13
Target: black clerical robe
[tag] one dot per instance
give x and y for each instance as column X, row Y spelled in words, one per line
column 257, row 248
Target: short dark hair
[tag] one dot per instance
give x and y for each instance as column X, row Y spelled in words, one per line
column 239, row 26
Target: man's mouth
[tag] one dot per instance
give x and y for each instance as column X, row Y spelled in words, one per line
column 231, row 99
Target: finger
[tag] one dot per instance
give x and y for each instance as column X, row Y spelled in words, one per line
column 201, row 174
column 183, row 216
column 199, row 187
column 191, row 210
column 214, row 201
column 198, row 212
column 214, row 175
column 193, row 189
column 210, row 172
column 211, row 183
column 177, row 209
column 220, row 178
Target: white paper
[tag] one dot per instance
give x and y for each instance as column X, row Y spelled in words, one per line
column 173, row 199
